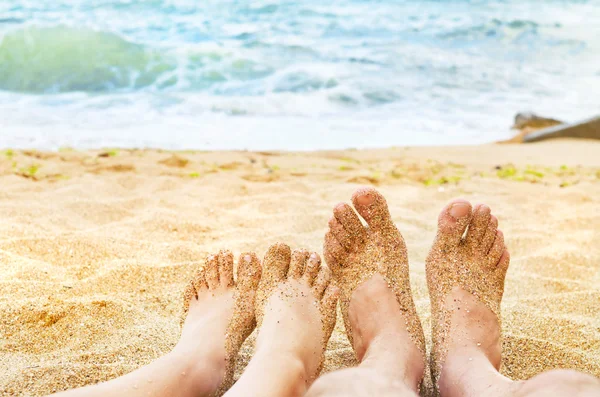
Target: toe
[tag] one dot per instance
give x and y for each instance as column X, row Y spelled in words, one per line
column 199, row 282
column 189, row 295
column 346, row 216
column 248, row 272
column 196, row 285
column 452, row 222
column 504, row 261
column 225, row 260
column 298, row 263
column 330, row 297
column 312, row 268
column 497, row 248
column 212, row 271
column 276, row 263
column 328, row 307
column 490, row 236
column 322, row 281
column 478, row 226
column 333, row 250
column 341, row 234
column 371, row 205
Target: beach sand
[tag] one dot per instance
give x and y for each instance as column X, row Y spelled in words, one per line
column 96, row 246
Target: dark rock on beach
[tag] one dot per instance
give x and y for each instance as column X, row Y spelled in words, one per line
column 535, row 128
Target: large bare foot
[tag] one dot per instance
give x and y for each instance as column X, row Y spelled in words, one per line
column 370, row 265
column 465, row 276
column 220, row 316
column 295, row 308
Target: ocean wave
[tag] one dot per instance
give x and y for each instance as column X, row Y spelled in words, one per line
column 64, row 59
column 492, row 28
column 51, row 60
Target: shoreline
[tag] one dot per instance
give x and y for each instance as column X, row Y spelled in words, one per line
column 565, row 160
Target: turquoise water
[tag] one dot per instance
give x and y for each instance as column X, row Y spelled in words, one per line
column 290, row 75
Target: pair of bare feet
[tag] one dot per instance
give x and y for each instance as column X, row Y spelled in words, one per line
column 292, row 298
column 370, row 267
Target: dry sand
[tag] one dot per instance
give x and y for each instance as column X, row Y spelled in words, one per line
column 95, row 250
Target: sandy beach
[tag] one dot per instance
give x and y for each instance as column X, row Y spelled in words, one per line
column 96, row 246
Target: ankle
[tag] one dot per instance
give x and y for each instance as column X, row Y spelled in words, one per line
column 207, row 355
column 469, row 373
column 475, row 329
column 397, row 358
column 285, row 374
column 289, row 362
column 275, row 342
column 202, row 373
column 373, row 313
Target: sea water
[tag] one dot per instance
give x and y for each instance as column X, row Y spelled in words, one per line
column 296, row 75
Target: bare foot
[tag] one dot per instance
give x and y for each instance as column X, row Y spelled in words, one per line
column 295, row 309
column 465, row 276
column 370, row 265
column 220, row 316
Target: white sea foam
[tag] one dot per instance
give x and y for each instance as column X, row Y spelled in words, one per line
column 290, row 75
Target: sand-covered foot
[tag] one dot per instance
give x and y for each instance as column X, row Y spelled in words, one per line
column 370, row 266
column 295, row 309
column 465, row 276
column 219, row 317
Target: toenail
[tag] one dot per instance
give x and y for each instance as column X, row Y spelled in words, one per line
column 339, row 207
column 365, row 199
column 313, row 256
column 459, row 210
column 248, row 258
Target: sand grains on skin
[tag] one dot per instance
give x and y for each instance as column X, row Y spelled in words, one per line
column 296, row 306
column 357, row 253
column 465, row 275
column 216, row 303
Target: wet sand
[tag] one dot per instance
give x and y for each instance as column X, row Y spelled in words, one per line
column 96, row 246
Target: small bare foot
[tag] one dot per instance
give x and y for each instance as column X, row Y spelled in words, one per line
column 295, row 309
column 219, row 317
column 370, row 265
column 465, row 276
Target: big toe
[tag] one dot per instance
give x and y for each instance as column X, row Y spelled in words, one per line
column 276, row 263
column 452, row 222
column 371, row 205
